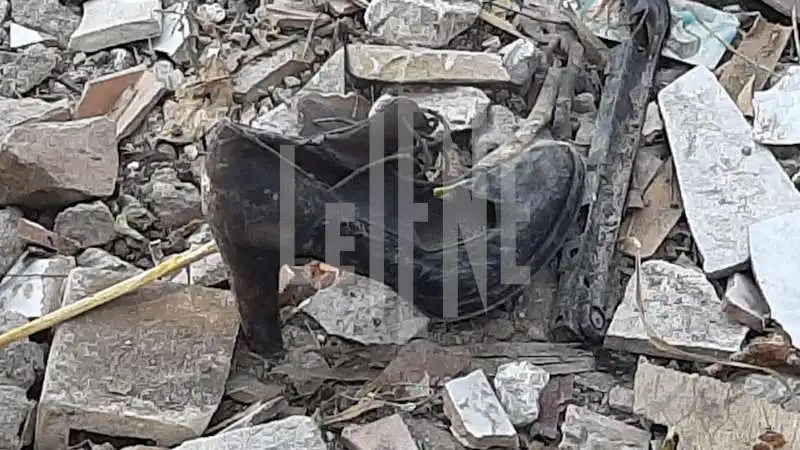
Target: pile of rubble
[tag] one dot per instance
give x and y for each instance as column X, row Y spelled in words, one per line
column 103, row 106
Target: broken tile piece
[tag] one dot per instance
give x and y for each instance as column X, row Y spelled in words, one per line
column 291, row 433
column 477, row 418
column 329, row 79
column 744, row 302
column 727, row 181
column 394, row 64
column 518, row 385
column 280, row 119
column 176, row 33
column 777, row 110
column 774, row 244
column 109, row 23
column 463, row 107
column 426, row 23
column 584, row 429
column 389, row 433
column 706, row 412
column 682, row 307
column 33, row 286
column 187, row 332
column 20, row 36
column 101, row 93
column 136, row 102
column 366, row 311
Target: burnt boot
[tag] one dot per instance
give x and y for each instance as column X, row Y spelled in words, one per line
column 450, row 265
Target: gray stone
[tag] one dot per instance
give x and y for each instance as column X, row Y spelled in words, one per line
column 136, row 215
column 521, row 58
column 91, row 224
column 15, row 411
column 27, row 70
column 171, row 348
column 176, row 32
column 58, row 163
column 291, row 433
column 48, row 16
column 518, row 385
column 772, row 389
column 586, row 429
column 101, row 259
column 476, row 416
column 174, row 203
column 389, row 433
column 280, row 119
column 501, row 123
column 252, row 80
column 682, row 307
column 463, row 107
column 394, row 64
column 777, row 109
column 330, row 78
column 621, row 399
column 20, row 360
column 109, row 23
column 11, row 245
column 774, row 244
column 727, row 181
column 14, row 111
column 744, row 302
column 427, row 23
column 33, row 286
column 430, row 436
column 210, row 270
column 366, row 311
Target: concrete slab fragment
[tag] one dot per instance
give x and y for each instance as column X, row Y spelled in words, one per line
column 774, row 244
column 682, row 307
column 158, row 372
column 584, row 429
column 727, row 181
column 389, row 433
column 109, row 23
column 291, row 433
column 463, row 107
column 33, row 286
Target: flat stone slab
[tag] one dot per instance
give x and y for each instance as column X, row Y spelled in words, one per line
column 151, row 365
column 518, row 385
column 395, row 64
column 727, row 181
column 426, row 23
column 584, row 429
column 463, row 107
column 477, row 418
column 777, row 110
column 291, row 433
column 682, row 307
column 774, row 246
column 33, row 286
column 389, row 433
column 109, row 23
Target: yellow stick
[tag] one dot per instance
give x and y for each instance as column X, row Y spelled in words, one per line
column 166, row 267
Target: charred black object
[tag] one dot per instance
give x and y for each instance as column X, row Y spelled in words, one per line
column 247, row 193
column 589, row 294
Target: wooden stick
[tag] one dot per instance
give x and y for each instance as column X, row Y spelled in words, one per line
column 166, row 267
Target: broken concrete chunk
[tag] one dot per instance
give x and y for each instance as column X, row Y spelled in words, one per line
column 20, row 360
column 101, row 94
column 463, row 107
column 14, row 111
column 101, row 259
column 392, row 64
column 187, row 332
column 174, row 202
column 91, row 224
column 329, row 79
column 744, row 302
column 427, row 23
column 518, row 385
column 521, row 58
column 109, row 23
column 58, row 163
column 584, row 428
column 133, row 106
column 773, row 246
column 48, row 16
column 365, row 311
column 176, row 32
column 477, row 418
column 11, row 244
column 777, row 110
column 33, row 286
column 706, row 412
column 682, row 307
column 28, row 69
column 15, row 411
column 389, row 433
column 252, row 80
column 621, row 399
column 291, row 433
column 727, row 181
column 500, row 124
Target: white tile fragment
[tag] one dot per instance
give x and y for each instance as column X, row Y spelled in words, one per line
column 518, row 385
column 744, row 302
column 777, row 111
